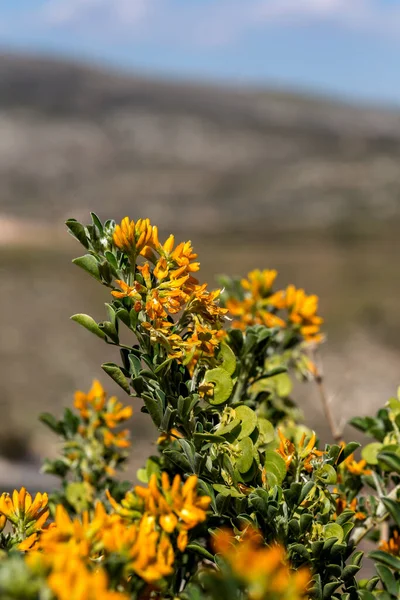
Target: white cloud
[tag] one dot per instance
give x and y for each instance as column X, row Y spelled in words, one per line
column 213, row 23
column 78, row 12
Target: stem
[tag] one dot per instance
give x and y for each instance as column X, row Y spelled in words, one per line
column 381, row 515
column 319, row 380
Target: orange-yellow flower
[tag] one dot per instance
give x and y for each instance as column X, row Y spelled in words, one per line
column 354, row 467
column 286, row 449
column 309, row 453
column 264, row 570
column 175, row 506
column 342, row 504
column 75, row 581
column 392, row 546
column 259, row 283
column 169, row 436
column 127, row 291
column 302, row 311
column 101, row 416
column 26, row 514
column 133, row 238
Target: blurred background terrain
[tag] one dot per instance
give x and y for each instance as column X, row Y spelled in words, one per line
column 255, row 175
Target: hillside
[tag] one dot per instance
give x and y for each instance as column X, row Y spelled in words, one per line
column 208, row 158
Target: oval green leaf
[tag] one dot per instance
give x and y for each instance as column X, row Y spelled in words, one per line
column 223, row 385
column 248, row 419
column 90, row 324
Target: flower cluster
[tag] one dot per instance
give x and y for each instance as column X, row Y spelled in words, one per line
column 93, row 447
column 101, row 416
column 256, row 303
column 26, row 516
column 176, row 506
column 392, row 546
column 73, row 552
column 263, row 570
column 354, row 467
column 163, row 288
column 306, row 455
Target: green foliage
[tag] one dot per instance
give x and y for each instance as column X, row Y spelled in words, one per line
column 220, row 401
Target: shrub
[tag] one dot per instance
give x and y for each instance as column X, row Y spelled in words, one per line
column 239, row 500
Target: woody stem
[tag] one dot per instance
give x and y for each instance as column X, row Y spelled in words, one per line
column 319, row 380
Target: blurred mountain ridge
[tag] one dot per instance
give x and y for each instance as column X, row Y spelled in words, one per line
column 199, row 157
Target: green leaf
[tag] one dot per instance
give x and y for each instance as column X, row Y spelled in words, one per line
column 55, row 467
column 51, row 422
column 79, row 495
column 306, row 520
column 394, row 509
column 366, row 595
column 168, row 419
column 223, row 385
column 111, row 259
column 110, row 330
column 77, row 230
column 154, row 408
column 370, row 452
column 142, row 476
column 349, row 449
column 333, row 530
column 179, row 459
column 89, row 264
column 310, row 485
column 394, row 405
column 117, row 375
column 248, row 419
column 208, row 437
column 229, row 428
column 391, row 460
column 245, row 459
column 227, row 491
column 386, row 559
column 90, row 324
column 228, row 358
column 267, row 431
column 388, row 580
column 97, row 223
column 275, row 465
column 200, row 550
column 327, row 474
column 71, row 421
column 329, row 588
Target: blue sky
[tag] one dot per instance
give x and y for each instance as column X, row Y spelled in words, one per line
column 348, row 48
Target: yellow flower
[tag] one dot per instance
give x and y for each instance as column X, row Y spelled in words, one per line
column 392, row 546
column 102, row 415
column 152, row 554
column 176, row 506
column 342, row 504
column 259, row 283
column 120, row 439
column 133, row 238
column 95, row 398
column 116, row 413
column 354, row 467
column 169, row 436
column 302, row 311
column 259, row 303
column 127, row 291
column 309, row 453
column 27, row 515
column 264, row 570
column 124, row 235
column 286, row 449
column 76, row 582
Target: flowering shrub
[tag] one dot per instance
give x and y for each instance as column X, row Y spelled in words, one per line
column 239, row 499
